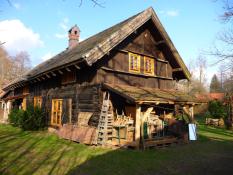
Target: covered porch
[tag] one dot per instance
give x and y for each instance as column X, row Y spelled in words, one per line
column 146, row 117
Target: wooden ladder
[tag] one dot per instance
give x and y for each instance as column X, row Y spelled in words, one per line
column 104, row 130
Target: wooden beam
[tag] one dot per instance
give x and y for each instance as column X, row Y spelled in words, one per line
column 47, row 75
column 60, row 72
column 191, row 109
column 43, row 78
column 143, row 118
column 177, row 70
column 147, row 113
column 132, row 73
column 53, row 74
column 189, row 113
column 160, row 42
column 137, row 126
column 77, row 67
column 68, row 69
column 38, row 79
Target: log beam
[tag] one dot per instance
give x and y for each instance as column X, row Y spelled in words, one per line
column 53, row 74
column 177, row 70
column 68, row 69
column 76, row 66
column 60, row 72
column 47, row 76
column 143, row 118
column 160, row 42
column 137, row 125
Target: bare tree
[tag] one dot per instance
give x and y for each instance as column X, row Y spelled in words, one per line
column 197, row 83
column 12, row 67
column 200, row 67
column 21, row 63
column 95, row 3
column 227, row 11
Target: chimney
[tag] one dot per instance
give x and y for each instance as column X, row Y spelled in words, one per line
column 73, row 34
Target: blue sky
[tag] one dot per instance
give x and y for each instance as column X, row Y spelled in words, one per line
column 40, row 27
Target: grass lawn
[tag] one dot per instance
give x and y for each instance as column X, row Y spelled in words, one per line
column 44, row 153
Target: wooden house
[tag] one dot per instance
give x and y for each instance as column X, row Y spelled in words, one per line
column 114, row 88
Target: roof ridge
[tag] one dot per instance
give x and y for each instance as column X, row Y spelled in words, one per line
column 134, row 24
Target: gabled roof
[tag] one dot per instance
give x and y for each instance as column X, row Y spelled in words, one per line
column 95, row 47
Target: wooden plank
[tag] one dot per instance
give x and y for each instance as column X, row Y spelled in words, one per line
column 160, row 142
column 137, row 125
column 160, row 42
column 177, row 70
column 143, row 118
column 60, row 72
column 76, row 66
column 53, row 74
column 47, row 75
column 68, row 69
column 137, row 74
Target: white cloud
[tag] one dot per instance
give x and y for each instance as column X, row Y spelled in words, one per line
column 17, row 6
column 171, row 13
column 18, row 37
column 64, row 26
column 47, row 56
column 61, row 36
column 64, row 23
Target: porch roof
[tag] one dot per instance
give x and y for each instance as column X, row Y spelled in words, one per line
column 16, row 97
column 143, row 95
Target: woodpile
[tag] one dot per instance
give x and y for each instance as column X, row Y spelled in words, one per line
column 214, row 122
column 123, row 130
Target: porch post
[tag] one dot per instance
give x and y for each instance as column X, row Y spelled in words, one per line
column 137, row 125
column 191, row 109
column 143, row 118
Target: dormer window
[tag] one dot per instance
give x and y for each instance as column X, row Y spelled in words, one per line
column 148, row 65
column 134, row 62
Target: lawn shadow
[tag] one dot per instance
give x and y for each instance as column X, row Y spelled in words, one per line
column 208, row 155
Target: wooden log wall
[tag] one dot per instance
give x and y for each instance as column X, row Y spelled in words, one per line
column 115, row 66
column 84, row 96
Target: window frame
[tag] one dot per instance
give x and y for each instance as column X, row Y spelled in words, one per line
column 57, row 110
column 37, row 101
column 152, row 72
column 138, row 69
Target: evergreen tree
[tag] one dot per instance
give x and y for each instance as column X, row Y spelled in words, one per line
column 215, row 85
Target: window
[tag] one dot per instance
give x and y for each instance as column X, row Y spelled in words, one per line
column 56, row 114
column 134, row 62
column 148, row 65
column 24, row 104
column 37, row 101
column 68, row 77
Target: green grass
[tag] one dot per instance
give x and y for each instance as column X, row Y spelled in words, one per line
column 44, row 153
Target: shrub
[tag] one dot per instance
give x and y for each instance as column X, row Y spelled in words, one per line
column 217, row 109
column 31, row 119
column 15, row 116
column 34, row 119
